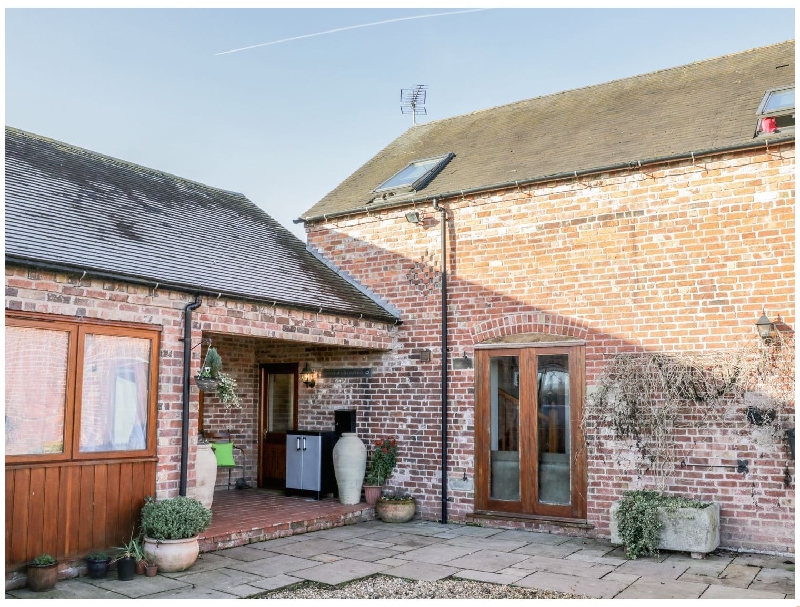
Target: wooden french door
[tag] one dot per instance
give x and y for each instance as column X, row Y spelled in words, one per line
column 528, row 442
column 278, row 415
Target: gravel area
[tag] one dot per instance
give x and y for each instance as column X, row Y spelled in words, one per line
column 388, row 587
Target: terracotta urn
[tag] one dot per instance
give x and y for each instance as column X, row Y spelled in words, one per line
column 349, row 465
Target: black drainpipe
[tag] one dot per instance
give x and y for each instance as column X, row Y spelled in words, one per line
column 187, row 363
column 443, row 211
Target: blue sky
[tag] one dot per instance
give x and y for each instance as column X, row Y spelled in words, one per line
column 285, row 123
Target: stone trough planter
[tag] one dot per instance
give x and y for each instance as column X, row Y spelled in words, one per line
column 693, row 530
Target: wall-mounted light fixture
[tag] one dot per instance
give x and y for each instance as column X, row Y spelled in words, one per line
column 412, row 217
column 308, row 376
column 765, row 327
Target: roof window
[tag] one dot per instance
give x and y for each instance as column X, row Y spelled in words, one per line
column 415, row 176
column 776, row 111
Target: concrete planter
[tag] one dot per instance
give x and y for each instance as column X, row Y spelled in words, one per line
column 693, row 530
column 172, row 555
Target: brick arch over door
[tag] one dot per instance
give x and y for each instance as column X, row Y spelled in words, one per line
column 536, row 322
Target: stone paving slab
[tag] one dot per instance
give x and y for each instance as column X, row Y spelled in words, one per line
column 487, row 560
column 140, row 585
column 276, row 565
column 765, row 560
column 574, row 568
column 712, row 565
column 207, row 562
column 486, row 543
column 517, row 535
column 413, row 541
column 366, row 553
column 594, row 588
column 509, row 577
column 438, row 553
column 426, row 572
column 66, row 589
column 273, row 583
column 245, row 553
column 393, row 562
column 192, row 593
column 739, row 576
column 231, row 581
column 339, row 572
column 658, row 571
column 325, row 558
column 473, row 531
column 341, row 533
column 649, row 588
column 590, row 556
column 557, row 551
column 727, row 592
column 774, row 580
column 310, row 549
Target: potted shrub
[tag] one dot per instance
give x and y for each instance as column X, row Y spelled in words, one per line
column 647, row 521
column 212, row 379
column 381, row 465
column 397, row 508
column 170, row 528
column 97, row 565
column 126, row 560
column 42, row 573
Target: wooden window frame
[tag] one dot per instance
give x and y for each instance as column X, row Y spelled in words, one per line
column 78, row 328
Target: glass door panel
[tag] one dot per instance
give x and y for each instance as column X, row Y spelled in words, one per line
column 553, row 417
column 504, row 422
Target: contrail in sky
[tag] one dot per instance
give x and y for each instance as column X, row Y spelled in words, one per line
column 350, row 27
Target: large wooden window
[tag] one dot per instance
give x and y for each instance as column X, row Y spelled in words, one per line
column 79, row 390
column 527, row 431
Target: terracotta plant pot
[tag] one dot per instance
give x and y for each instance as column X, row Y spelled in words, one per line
column 151, row 570
column 395, row 511
column 372, row 493
column 42, row 577
column 349, row 464
column 172, row 555
column 140, row 567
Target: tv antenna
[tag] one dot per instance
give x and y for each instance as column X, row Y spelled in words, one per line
column 412, row 101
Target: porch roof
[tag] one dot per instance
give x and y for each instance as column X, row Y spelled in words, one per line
column 73, row 209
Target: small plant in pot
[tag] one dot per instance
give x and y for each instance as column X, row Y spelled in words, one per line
column 381, row 466
column 126, row 559
column 170, row 528
column 212, row 379
column 395, row 507
column 42, row 573
column 97, row 565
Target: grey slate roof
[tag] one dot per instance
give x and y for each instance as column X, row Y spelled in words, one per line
column 73, row 208
column 698, row 107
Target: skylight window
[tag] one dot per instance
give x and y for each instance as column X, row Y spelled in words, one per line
column 776, row 111
column 415, row 176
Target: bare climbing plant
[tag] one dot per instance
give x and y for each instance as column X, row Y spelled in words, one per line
column 643, row 401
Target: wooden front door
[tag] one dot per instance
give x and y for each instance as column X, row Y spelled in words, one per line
column 527, row 431
column 277, row 414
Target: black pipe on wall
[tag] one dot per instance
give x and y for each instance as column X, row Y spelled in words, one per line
column 443, row 211
column 187, row 363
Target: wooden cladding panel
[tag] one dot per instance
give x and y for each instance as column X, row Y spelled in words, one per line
column 69, row 510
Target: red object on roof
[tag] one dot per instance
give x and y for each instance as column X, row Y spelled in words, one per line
column 768, row 125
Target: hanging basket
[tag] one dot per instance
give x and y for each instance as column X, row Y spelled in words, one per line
column 206, row 384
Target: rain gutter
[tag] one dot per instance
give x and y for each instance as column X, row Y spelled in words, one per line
column 553, row 177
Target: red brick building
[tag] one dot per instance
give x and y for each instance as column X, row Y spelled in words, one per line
column 650, row 214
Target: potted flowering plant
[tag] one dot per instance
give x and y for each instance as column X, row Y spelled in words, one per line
column 395, row 507
column 212, row 379
column 381, row 466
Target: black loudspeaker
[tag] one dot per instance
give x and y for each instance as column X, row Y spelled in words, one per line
column 344, row 420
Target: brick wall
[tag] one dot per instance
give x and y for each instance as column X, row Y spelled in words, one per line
column 74, row 296
column 677, row 257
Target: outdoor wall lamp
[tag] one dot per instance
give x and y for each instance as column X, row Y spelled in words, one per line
column 765, row 327
column 308, row 376
column 412, row 217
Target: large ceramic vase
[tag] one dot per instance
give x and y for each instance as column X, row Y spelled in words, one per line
column 205, row 473
column 172, row 555
column 349, row 464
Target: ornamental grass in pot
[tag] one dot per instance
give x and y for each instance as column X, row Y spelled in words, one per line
column 170, row 528
column 380, row 468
